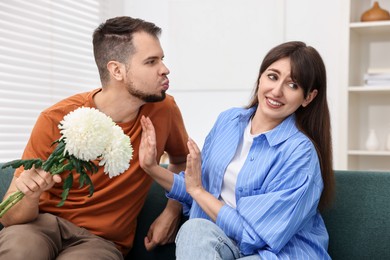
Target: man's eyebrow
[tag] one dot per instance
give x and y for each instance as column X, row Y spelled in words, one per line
column 154, row 57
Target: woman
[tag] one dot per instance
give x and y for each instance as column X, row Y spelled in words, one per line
column 266, row 169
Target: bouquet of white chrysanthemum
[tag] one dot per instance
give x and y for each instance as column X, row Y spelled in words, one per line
column 87, row 135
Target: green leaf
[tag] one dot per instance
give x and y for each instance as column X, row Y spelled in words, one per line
column 89, row 182
column 38, row 163
column 14, row 164
column 68, row 166
column 64, row 195
column 59, row 151
column 76, row 164
column 28, row 164
column 66, row 187
column 82, row 180
column 95, row 167
column 48, row 163
column 68, row 181
column 87, row 165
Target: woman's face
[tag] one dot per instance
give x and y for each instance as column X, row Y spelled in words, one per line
column 279, row 96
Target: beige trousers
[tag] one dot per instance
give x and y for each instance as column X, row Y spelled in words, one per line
column 50, row 237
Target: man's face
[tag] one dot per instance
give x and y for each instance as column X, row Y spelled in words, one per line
column 146, row 75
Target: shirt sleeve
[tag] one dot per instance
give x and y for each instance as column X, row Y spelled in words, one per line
column 269, row 220
column 176, row 144
column 39, row 145
column 178, row 192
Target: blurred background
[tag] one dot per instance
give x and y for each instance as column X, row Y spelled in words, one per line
column 213, row 49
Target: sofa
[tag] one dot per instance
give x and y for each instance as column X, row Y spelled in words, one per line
column 358, row 223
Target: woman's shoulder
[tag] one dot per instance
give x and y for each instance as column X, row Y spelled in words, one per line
column 233, row 112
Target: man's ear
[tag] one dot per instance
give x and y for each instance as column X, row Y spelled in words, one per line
column 116, row 69
column 309, row 98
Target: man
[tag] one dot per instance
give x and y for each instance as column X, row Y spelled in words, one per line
column 134, row 80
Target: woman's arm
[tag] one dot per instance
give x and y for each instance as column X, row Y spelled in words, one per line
column 193, row 179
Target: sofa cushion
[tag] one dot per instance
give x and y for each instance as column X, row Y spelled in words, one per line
column 359, row 222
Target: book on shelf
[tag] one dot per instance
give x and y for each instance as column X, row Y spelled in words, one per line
column 378, row 71
column 377, row 77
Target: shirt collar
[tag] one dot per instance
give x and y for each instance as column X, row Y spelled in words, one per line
column 277, row 135
column 282, row 132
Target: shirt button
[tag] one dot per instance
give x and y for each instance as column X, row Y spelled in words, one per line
column 252, row 158
column 240, row 189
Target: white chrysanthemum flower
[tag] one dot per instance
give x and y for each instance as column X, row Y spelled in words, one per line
column 87, row 135
column 116, row 157
column 86, row 132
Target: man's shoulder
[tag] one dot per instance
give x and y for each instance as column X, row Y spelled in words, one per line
column 64, row 106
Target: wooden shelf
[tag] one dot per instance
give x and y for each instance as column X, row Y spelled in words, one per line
column 370, row 153
column 377, row 27
column 368, row 89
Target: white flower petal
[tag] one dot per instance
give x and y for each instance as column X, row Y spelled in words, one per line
column 86, row 132
column 116, row 157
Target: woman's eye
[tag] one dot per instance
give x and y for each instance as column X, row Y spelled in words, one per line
column 293, row 85
column 272, row 77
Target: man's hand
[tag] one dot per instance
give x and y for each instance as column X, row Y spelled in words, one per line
column 35, row 181
column 32, row 183
column 163, row 230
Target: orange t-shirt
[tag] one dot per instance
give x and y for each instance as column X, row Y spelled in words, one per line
column 113, row 209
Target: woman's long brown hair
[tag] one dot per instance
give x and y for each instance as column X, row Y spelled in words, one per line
column 308, row 71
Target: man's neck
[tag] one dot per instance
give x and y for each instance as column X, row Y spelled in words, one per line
column 121, row 107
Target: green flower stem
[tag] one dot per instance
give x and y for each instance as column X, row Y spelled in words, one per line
column 10, row 201
column 58, row 162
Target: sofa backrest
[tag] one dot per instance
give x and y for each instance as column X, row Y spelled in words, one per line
column 5, row 179
column 359, row 222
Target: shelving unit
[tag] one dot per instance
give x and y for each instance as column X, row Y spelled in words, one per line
column 368, row 106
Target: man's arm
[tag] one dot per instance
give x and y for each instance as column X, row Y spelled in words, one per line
column 164, row 228
column 31, row 183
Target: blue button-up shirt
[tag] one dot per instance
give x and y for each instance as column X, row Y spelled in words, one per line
column 277, row 190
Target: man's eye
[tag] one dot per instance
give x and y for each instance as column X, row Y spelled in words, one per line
column 150, row 61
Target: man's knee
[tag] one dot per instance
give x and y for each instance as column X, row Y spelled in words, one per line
column 28, row 243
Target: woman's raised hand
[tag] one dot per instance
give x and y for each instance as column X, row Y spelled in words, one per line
column 147, row 148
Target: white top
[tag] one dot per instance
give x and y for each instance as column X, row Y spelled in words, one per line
column 228, row 194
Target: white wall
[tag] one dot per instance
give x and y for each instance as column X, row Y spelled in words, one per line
column 214, row 49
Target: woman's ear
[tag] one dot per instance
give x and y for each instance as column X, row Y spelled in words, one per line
column 310, row 98
column 116, row 70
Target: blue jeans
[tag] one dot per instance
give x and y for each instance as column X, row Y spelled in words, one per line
column 201, row 239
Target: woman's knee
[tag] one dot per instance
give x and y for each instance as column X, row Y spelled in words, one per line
column 197, row 227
